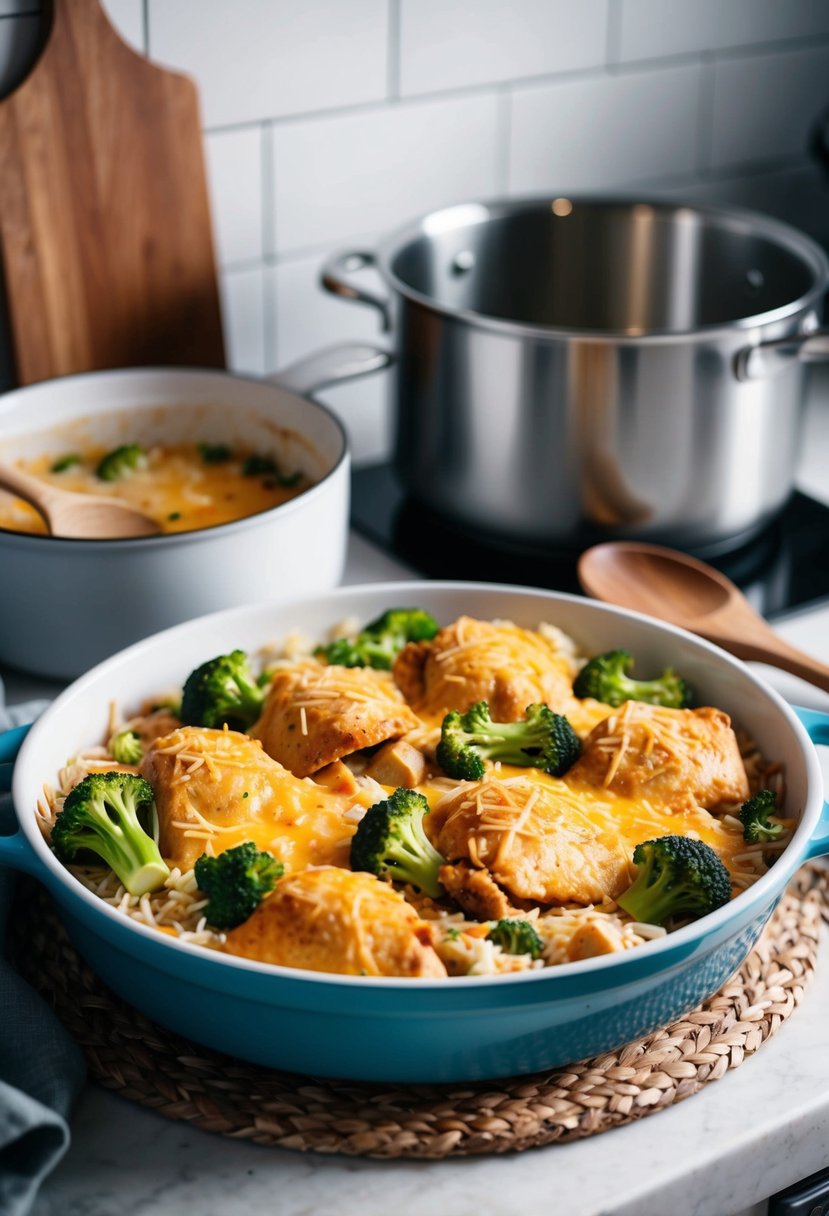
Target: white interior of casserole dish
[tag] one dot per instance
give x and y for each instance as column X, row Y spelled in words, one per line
column 79, row 717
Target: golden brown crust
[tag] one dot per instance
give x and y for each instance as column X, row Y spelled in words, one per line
column 682, row 758
column 532, row 840
column 330, row 919
column 475, row 891
column 472, row 660
column 315, row 714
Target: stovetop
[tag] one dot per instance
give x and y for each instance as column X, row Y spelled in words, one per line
column 785, row 567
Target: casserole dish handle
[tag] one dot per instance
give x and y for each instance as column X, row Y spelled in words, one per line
column 15, row 851
column 817, row 726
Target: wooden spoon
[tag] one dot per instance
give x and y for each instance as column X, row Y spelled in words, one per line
column 77, row 516
column 687, row 592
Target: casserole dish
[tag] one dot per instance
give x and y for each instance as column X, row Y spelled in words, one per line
column 67, row 604
column 572, row 369
column 402, row 1029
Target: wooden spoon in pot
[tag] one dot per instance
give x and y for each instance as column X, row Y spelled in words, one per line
column 687, row 592
column 77, row 516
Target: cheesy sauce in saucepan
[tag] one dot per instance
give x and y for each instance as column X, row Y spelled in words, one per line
column 183, row 487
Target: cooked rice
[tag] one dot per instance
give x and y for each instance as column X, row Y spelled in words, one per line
column 178, row 906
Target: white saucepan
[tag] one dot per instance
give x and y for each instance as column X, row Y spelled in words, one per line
column 66, row 604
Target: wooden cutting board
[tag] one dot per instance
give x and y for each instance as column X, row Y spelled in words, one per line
column 105, row 232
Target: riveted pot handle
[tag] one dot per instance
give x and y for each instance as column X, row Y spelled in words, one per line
column 333, row 278
column 756, row 362
column 817, row 726
column 331, row 365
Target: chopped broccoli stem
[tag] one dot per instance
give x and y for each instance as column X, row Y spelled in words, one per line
column 235, row 883
column 222, row 691
column 516, row 937
column 102, row 815
column 126, row 747
column 391, row 843
column 69, row 461
column 677, row 878
column 606, row 677
column 542, row 739
column 214, row 453
column 380, row 642
column 754, row 816
column 121, row 462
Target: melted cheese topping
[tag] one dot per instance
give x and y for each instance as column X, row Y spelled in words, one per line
column 507, row 795
column 229, row 791
column 176, row 488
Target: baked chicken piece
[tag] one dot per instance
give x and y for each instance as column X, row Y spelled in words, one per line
column 315, row 714
column 217, row 788
column 331, row 919
column 533, row 839
column 473, row 660
column 681, row 758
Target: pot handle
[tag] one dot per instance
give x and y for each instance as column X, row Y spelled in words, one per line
column 817, row 727
column 755, row 362
column 333, row 279
column 329, row 366
column 15, row 850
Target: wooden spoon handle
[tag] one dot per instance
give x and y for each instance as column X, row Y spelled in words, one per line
column 30, row 489
column 767, row 647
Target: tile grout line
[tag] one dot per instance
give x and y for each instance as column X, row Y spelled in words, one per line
column 613, row 40
column 705, row 115
column 269, row 224
column 393, row 51
column 640, row 67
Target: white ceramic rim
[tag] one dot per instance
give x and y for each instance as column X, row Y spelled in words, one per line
column 100, row 379
column 407, row 592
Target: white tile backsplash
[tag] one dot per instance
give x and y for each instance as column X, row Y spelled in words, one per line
column 307, row 318
column 449, row 44
column 255, row 59
column 234, row 172
column 242, row 298
column 332, row 122
column 767, row 106
column 128, row 18
column 338, row 178
column 652, row 28
column 604, row 131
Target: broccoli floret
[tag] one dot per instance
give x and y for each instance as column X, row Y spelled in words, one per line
column 391, row 843
column 516, row 937
column 607, row 678
column 677, row 878
column 126, row 747
column 235, row 883
column 65, row 462
column 380, row 642
column 754, row 816
column 222, row 690
column 214, row 453
column 103, row 815
column 121, row 462
column 543, row 739
column 259, row 466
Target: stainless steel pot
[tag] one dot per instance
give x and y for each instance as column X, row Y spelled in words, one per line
column 569, row 369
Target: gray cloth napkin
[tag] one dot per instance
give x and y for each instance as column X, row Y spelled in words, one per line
column 41, row 1067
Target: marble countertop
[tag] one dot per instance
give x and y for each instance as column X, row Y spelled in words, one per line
column 757, row 1130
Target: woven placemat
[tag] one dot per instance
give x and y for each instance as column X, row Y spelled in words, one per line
column 156, row 1068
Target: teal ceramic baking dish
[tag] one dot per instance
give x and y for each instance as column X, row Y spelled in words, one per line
column 385, row 1029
